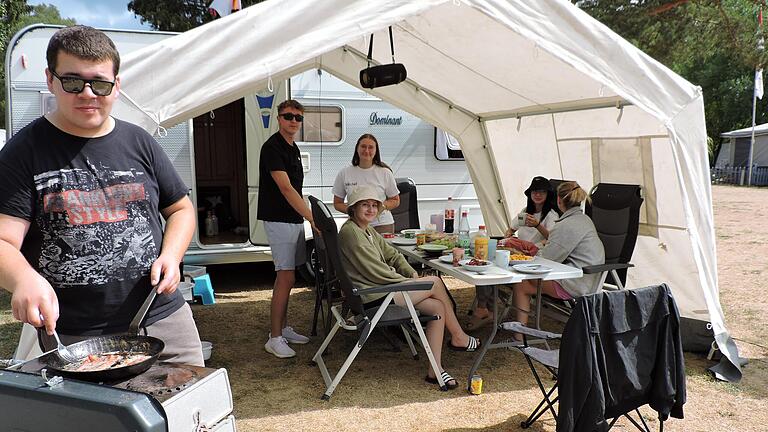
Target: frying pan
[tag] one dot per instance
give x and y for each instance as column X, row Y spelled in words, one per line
column 131, row 342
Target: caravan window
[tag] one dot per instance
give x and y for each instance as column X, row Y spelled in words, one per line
column 447, row 146
column 322, row 124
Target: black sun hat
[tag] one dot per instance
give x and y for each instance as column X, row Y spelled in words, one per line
column 538, row 183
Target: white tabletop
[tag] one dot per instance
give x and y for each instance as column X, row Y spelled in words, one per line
column 494, row 275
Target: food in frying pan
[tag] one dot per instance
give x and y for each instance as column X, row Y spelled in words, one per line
column 104, row 361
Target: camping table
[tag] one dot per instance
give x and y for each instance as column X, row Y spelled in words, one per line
column 494, row 277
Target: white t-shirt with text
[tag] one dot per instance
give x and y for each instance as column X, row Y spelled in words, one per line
column 379, row 177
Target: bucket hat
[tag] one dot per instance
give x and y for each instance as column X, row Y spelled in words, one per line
column 538, row 183
column 362, row 193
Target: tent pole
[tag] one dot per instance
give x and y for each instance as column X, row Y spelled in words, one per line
column 752, row 139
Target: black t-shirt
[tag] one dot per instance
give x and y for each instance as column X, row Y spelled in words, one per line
column 278, row 155
column 93, row 204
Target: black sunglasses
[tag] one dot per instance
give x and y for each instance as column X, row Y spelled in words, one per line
column 291, row 116
column 77, row 85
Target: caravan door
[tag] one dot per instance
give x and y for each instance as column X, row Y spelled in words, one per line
column 260, row 124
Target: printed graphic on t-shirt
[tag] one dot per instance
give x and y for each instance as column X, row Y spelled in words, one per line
column 95, row 225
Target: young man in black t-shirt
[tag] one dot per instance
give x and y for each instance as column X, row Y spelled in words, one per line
column 283, row 211
column 81, row 195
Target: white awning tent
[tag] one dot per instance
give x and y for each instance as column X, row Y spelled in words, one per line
column 528, row 87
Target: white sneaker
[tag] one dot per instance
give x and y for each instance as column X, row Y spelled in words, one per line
column 279, row 347
column 292, row 337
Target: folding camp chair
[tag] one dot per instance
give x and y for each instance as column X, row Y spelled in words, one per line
column 365, row 319
column 407, row 213
column 327, row 290
column 620, row 350
column 615, row 212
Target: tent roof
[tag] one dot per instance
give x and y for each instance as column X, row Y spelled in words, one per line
column 746, row 132
column 489, row 58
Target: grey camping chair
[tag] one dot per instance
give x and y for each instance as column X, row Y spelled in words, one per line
column 620, row 350
column 406, row 215
column 365, row 319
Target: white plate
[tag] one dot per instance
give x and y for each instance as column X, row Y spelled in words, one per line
column 532, row 268
column 412, row 231
column 448, row 259
column 475, row 268
column 404, row 241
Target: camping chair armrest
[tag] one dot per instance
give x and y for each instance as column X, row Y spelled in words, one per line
column 522, row 329
column 413, row 285
column 605, row 267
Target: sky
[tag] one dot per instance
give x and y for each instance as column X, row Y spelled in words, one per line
column 97, row 13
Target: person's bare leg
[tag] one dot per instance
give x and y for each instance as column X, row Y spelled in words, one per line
column 522, row 297
column 438, row 292
column 523, row 292
column 435, row 328
column 281, row 292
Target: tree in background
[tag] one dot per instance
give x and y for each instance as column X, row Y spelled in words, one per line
column 711, row 43
column 175, row 15
column 17, row 14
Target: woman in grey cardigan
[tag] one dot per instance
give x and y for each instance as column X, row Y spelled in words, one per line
column 370, row 261
column 572, row 241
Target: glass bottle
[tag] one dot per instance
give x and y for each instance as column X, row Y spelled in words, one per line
column 450, row 216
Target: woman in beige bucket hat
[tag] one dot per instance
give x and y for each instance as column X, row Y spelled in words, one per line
column 370, row 261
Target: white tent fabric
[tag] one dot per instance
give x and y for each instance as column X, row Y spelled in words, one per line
column 528, row 88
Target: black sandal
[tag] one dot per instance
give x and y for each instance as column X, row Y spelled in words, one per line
column 447, row 378
column 472, row 345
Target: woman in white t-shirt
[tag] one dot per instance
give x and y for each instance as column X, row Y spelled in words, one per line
column 368, row 169
column 538, row 216
column 533, row 225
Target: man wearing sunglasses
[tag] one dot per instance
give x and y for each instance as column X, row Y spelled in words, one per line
column 81, row 195
column 283, row 210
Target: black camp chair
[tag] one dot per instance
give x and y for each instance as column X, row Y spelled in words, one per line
column 365, row 319
column 407, row 213
column 327, row 290
column 615, row 212
column 620, row 350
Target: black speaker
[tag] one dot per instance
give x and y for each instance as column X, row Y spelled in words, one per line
column 383, row 75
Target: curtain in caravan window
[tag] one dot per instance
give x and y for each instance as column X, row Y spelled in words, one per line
column 447, row 147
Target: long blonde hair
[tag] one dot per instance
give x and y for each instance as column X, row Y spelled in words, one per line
column 571, row 194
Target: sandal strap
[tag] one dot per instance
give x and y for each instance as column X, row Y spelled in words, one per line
column 473, row 343
column 446, row 377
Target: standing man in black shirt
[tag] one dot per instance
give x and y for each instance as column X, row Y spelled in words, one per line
column 282, row 208
column 81, row 195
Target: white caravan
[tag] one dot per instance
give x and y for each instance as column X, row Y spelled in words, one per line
column 217, row 153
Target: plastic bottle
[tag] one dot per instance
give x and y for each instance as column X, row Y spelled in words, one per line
column 450, row 216
column 481, row 244
column 464, row 240
column 211, row 224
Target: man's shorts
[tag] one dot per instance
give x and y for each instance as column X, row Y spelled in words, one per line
column 287, row 243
